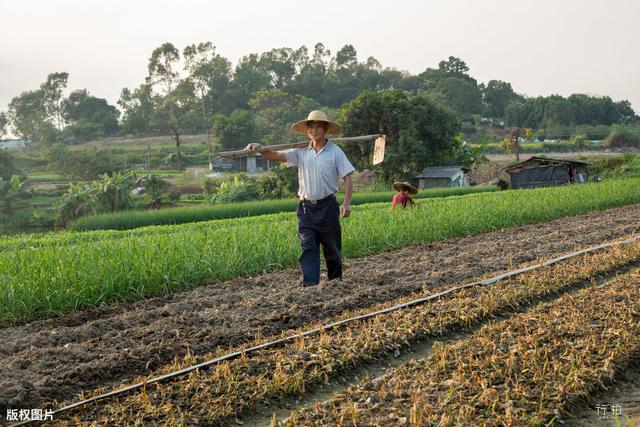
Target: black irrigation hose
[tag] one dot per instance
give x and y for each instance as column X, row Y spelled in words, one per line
column 237, row 354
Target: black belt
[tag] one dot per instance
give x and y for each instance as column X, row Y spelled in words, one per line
column 316, row 202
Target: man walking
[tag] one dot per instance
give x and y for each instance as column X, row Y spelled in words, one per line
column 321, row 165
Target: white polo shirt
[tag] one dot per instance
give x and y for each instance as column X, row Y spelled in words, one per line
column 319, row 173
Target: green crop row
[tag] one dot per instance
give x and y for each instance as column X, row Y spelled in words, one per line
column 49, row 280
column 132, row 219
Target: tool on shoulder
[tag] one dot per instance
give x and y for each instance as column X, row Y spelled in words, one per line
column 378, row 150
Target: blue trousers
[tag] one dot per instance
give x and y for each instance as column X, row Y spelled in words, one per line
column 319, row 224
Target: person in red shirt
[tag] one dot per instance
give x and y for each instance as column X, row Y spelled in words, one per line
column 402, row 198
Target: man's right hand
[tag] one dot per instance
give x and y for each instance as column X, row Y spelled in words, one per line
column 254, row 148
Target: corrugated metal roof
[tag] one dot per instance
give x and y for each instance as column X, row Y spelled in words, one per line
column 534, row 160
column 440, row 172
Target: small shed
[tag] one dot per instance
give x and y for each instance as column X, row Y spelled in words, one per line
column 544, row 172
column 443, row 176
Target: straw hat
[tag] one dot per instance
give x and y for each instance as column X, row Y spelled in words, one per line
column 317, row 116
column 405, row 186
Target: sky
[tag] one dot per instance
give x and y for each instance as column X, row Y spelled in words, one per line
column 541, row 47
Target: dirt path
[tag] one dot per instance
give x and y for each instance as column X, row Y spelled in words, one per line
column 55, row 359
column 622, row 398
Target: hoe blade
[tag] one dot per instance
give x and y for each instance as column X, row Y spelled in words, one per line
column 378, row 149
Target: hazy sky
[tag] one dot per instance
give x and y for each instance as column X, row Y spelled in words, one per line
column 541, row 47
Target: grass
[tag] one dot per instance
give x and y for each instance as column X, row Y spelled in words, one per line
column 41, row 277
column 133, row 219
column 159, row 172
column 139, row 145
column 545, row 147
column 45, row 177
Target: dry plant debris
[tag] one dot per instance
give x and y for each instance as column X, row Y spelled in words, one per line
column 217, row 396
column 527, row 370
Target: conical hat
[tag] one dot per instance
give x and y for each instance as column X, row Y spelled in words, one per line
column 317, row 116
column 405, row 186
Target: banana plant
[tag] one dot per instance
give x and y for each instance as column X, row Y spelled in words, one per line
column 10, row 191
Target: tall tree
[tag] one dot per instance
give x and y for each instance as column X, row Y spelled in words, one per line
column 497, row 95
column 172, row 107
column 462, row 95
column 162, row 67
column 275, row 112
column 4, row 122
column 313, row 81
column 211, row 77
column 280, row 64
column 176, row 114
column 29, row 118
column 52, row 92
column 248, row 77
column 137, row 109
column 453, row 66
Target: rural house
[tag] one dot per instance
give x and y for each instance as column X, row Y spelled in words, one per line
column 14, row 144
column 443, row 176
column 544, row 172
column 249, row 164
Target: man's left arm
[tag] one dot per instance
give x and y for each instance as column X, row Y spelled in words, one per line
column 345, row 209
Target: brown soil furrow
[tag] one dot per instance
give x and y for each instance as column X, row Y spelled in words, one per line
column 621, row 401
column 55, row 359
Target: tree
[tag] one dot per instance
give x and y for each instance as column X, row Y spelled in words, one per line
column 346, row 57
column 581, row 142
column 314, row 79
column 248, row 77
column 88, row 117
column 497, row 95
column 420, row 132
column 10, row 191
column 176, row 104
column 28, row 116
column 7, row 165
column 210, row 74
column 462, row 95
column 453, row 66
column 280, row 64
column 154, row 187
column 11, row 185
column 4, row 121
column 52, row 96
column 511, row 141
column 211, row 77
column 176, row 113
column 112, row 191
column 236, row 130
column 79, row 200
column 81, row 164
column 137, row 109
column 559, row 112
column 161, row 67
column 276, row 111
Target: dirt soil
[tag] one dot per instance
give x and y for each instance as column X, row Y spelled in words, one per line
column 53, row 360
column 622, row 398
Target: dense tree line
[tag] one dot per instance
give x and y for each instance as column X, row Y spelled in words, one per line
column 556, row 111
column 197, row 90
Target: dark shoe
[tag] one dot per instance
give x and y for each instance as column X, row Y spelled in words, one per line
column 309, row 285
